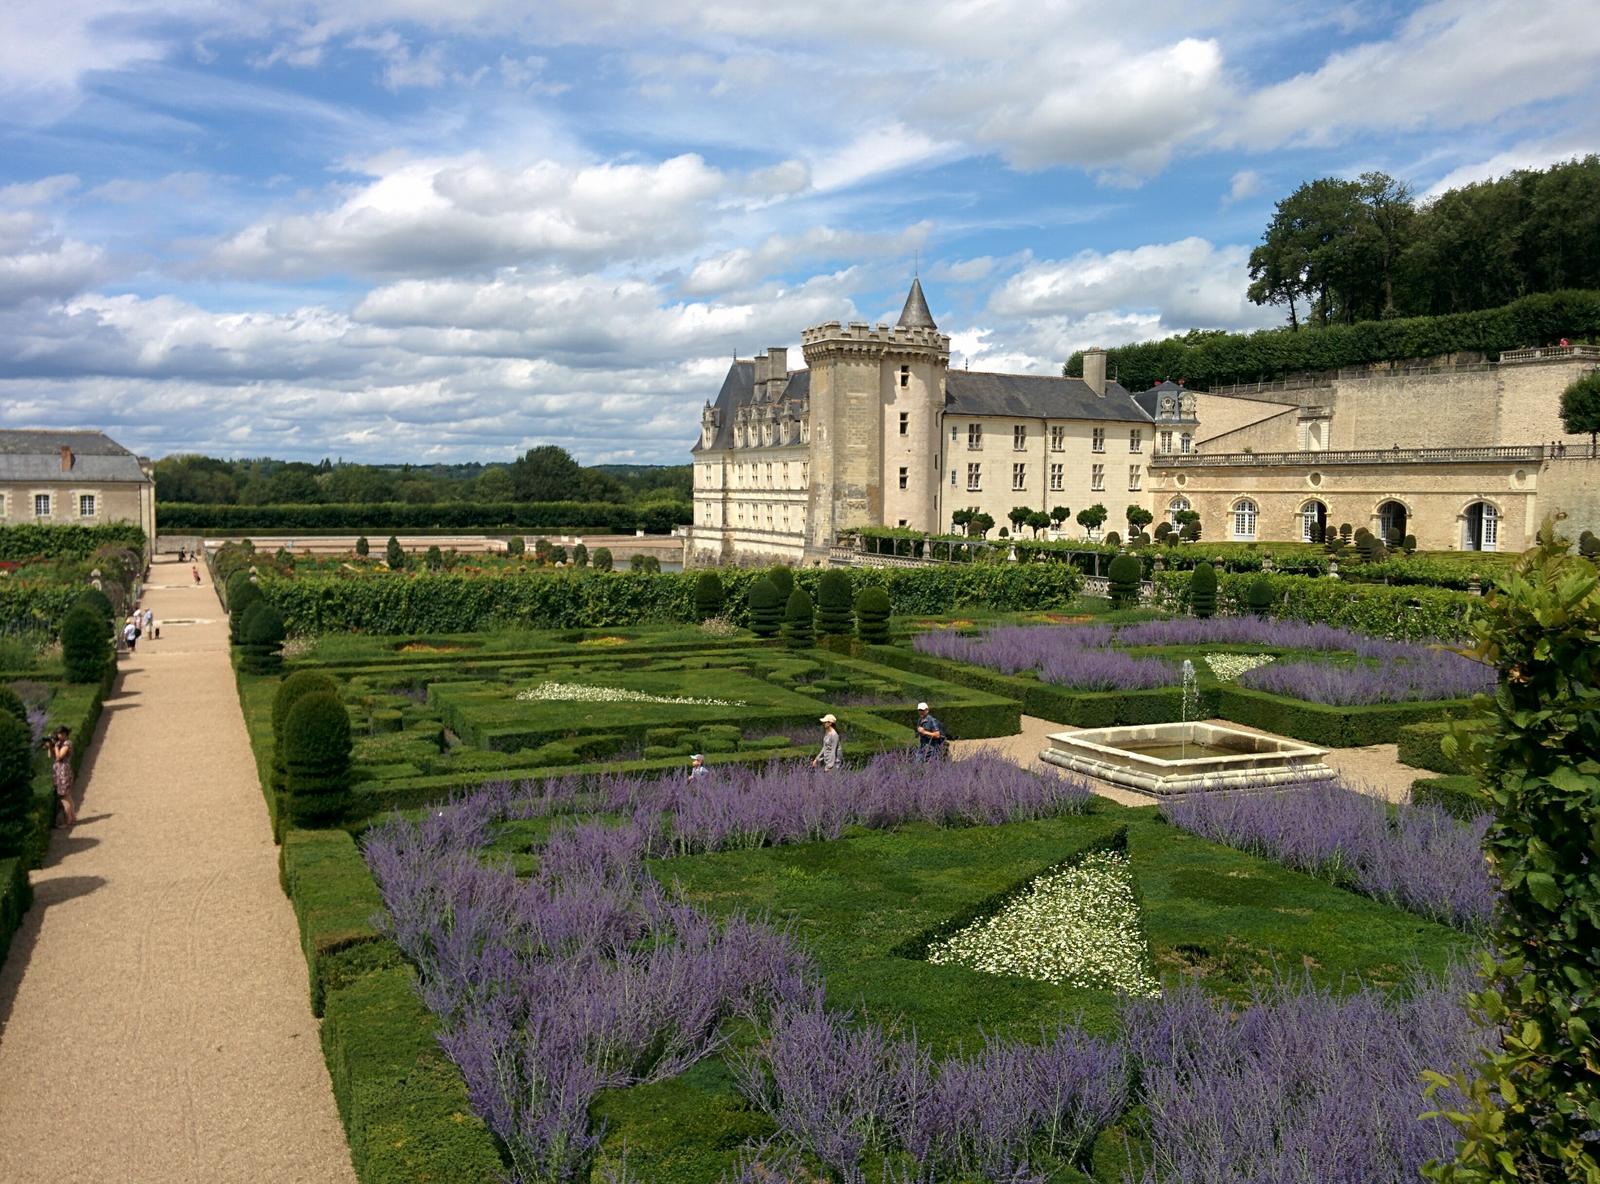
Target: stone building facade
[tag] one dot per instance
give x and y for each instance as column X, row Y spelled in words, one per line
column 74, row 476
column 877, row 429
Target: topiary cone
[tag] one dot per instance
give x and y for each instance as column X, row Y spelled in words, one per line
column 872, row 615
column 316, row 759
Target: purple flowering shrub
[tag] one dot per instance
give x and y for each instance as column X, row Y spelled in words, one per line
column 1419, row 858
column 1301, row 1087
column 839, row 1089
column 1425, row 675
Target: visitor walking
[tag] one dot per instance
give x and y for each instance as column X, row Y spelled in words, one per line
column 149, row 622
column 59, row 747
column 829, row 758
column 130, row 634
column 930, row 735
column 697, row 767
column 196, row 572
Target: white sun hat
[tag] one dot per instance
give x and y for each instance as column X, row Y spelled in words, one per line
column 922, row 707
column 830, row 718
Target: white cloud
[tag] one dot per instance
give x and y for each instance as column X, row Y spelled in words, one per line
column 875, row 152
column 37, row 264
column 1245, row 183
column 1532, row 155
column 38, row 193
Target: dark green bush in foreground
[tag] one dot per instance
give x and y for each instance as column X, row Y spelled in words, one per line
column 1124, row 574
column 708, row 595
column 602, row 559
column 316, row 759
column 290, row 691
column 261, row 639
column 872, row 615
column 766, row 608
column 98, row 602
column 11, row 704
column 15, row 896
column 1203, row 590
column 799, row 623
column 1458, row 795
column 85, row 645
column 836, row 614
column 16, row 784
column 1259, row 596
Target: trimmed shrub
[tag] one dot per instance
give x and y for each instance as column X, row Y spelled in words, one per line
column 602, row 559
column 290, row 691
column 242, row 593
column 16, row 788
column 1113, row 539
column 1458, row 795
column 1409, row 544
column 11, row 704
column 580, row 555
column 99, row 602
column 541, row 549
column 1124, row 573
column 261, row 639
column 708, row 595
column 85, row 645
column 836, row 616
column 872, row 615
column 1203, row 590
column 644, row 563
column 766, row 609
column 363, row 548
column 435, row 558
column 783, row 580
column 799, row 623
column 1259, row 596
column 316, row 759
column 393, row 555
column 516, row 545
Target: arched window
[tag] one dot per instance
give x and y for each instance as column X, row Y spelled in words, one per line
column 1391, row 520
column 1175, row 507
column 1481, row 530
column 1313, row 521
column 1244, row 519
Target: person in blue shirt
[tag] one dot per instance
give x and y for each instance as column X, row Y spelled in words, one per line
column 930, row 735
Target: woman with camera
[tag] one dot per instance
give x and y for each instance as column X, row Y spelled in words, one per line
column 59, row 745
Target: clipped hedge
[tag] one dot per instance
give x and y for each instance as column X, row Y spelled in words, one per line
column 1420, row 746
column 450, row 602
column 34, row 540
column 403, row 1103
column 1406, row 614
column 316, row 759
column 1274, row 353
column 15, row 896
column 1328, row 726
column 1459, row 795
column 334, row 902
column 655, row 517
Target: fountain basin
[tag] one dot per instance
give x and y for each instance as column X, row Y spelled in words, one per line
column 1181, row 758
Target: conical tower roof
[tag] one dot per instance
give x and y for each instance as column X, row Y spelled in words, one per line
column 915, row 314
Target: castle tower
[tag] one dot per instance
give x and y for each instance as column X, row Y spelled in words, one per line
column 877, row 400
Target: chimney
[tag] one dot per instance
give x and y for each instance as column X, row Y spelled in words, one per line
column 777, row 371
column 1094, row 369
column 66, row 458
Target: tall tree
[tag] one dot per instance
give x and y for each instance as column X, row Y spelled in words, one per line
column 547, row 474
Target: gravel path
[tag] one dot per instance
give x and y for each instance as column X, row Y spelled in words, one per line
column 154, row 1022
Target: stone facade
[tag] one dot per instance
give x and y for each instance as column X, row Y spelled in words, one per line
column 878, row 430
column 67, row 477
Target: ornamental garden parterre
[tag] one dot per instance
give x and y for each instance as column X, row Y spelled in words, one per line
column 541, row 951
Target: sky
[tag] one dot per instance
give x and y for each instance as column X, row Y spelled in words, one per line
column 430, row 231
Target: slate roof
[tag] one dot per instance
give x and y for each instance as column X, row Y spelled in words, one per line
column 915, row 314
column 738, row 389
column 35, row 457
column 1037, row 396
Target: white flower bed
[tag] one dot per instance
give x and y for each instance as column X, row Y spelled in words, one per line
column 577, row 692
column 1076, row 928
column 1228, row 667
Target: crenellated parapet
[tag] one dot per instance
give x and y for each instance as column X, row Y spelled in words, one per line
column 857, row 338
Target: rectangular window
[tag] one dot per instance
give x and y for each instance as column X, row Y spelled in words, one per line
column 1135, row 439
column 1058, row 439
column 86, row 505
column 1019, row 437
column 41, row 505
column 1058, row 478
column 1019, row 476
column 905, row 376
column 805, row 474
column 974, row 476
column 955, row 431
column 1185, row 442
column 905, row 423
column 974, row 436
column 1099, row 439
column 786, row 474
column 1133, row 476
column 1097, row 477
column 902, row 523
column 1166, row 441
column 904, row 476
column 952, row 478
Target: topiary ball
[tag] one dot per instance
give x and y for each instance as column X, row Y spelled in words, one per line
column 316, row 759
column 1260, row 595
column 602, row 559
column 16, row 784
column 261, row 638
column 708, row 595
column 1124, row 573
column 873, row 609
column 85, row 645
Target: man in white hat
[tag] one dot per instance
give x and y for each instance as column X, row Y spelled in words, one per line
column 930, row 735
column 697, row 766
column 828, row 758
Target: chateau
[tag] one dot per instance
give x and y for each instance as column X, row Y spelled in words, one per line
column 878, row 429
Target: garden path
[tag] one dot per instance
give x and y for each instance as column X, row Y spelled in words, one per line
column 1374, row 770
column 154, row 1019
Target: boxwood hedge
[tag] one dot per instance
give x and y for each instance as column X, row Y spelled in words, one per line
column 377, row 517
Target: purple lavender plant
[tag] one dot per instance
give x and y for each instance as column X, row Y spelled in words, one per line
column 1425, row 675
column 1419, row 858
column 1301, row 1087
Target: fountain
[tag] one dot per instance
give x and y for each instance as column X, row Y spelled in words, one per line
column 1188, row 755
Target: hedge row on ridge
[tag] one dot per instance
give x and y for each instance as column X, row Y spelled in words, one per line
column 656, row 517
column 444, row 602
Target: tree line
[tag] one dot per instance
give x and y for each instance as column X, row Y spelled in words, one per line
column 1339, row 251
column 547, row 473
